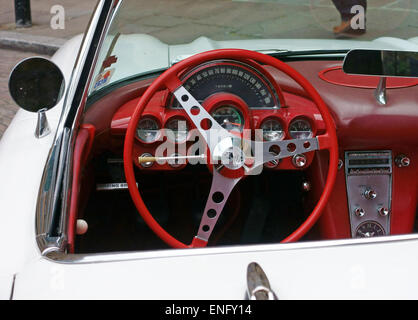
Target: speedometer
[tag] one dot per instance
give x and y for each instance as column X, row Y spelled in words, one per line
column 229, row 118
column 233, row 78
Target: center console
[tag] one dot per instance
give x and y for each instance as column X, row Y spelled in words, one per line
column 369, row 191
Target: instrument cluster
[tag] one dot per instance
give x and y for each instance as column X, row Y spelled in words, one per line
column 177, row 128
column 238, row 96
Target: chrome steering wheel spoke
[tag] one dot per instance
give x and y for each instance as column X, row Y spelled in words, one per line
column 208, row 127
column 218, row 196
column 215, row 136
column 274, row 150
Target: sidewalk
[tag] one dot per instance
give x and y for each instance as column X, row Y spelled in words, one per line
column 41, row 37
column 174, row 21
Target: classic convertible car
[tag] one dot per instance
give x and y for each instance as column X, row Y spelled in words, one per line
column 221, row 168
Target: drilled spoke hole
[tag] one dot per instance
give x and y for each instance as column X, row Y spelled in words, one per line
column 275, row 150
column 307, row 145
column 205, row 228
column 218, row 197
column 211, row 213
column 291, row 147
column 206, row 124
column 195, row 110
column 185, row 97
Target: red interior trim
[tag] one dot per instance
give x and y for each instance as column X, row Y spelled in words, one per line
column 82, row 150
column 336, row 75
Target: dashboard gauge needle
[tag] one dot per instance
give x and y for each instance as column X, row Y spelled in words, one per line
column 165, row 159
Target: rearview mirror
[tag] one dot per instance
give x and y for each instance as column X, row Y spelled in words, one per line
column 36, row 83
column 382, row 63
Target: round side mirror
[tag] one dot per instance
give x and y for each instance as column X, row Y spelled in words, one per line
column 36, row 84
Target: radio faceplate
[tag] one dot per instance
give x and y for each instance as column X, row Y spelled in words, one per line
column 369, row 192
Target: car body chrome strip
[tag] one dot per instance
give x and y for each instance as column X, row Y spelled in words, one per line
column 61, row 257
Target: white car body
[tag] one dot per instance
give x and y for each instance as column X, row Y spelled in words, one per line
column 380, row 268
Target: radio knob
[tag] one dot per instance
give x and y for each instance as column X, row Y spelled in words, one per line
column 383, row 211
column 402, row 161
column 359, row 212
column 370, row 194
column 299, row 160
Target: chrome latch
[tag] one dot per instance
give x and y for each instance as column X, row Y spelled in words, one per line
column 258, row 286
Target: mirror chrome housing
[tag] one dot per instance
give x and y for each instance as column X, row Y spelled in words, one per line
column 382, row 63
column 36, row 85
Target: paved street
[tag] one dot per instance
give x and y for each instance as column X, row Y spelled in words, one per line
column 183, row 20
column 179, row 21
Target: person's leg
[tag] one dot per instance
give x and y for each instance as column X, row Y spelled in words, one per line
column 339, row 4
column 344, row 7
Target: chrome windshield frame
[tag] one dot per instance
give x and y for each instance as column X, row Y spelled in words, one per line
column 51, row 210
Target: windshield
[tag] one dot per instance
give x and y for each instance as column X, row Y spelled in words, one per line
column 148, row 36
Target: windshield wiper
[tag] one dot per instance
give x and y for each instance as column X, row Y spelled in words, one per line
column 282, row 53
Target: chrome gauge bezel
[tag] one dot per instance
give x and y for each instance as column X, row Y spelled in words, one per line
column 236, row 110
column 298, row 120
column 157, row 129
column 176, row 136
column 276, row 122
column 373, row 223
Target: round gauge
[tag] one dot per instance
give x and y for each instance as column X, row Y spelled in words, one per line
column 272, row 130
column 147, row 130
column 369, row 229
column 233, row 78
column 178, row 129
column 230, row 118
column 300, row 129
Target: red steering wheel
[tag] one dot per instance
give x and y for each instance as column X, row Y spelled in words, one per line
column 222, row 184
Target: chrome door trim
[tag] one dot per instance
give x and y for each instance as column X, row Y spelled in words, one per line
column 63, row 258
column 51, row 222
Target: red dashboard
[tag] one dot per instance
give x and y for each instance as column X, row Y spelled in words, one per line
column 362, row 125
